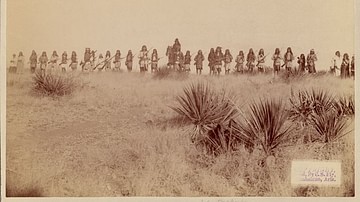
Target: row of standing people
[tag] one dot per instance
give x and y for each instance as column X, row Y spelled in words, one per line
column 342, row 66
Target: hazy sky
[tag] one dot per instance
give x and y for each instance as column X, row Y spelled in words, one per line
column 66, row 25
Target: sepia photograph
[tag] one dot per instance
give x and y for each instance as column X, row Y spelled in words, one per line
column 169, row 98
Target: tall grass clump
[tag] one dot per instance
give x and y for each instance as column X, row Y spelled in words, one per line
column 51, row 84
column 345, row 106
column 210, row 112
column 167, row 73
column 265, row 126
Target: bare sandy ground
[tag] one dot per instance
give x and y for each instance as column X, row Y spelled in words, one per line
column 116, row 136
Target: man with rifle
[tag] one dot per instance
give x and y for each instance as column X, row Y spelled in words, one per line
column 117, row 61
column 261, row 61
column 143, row 59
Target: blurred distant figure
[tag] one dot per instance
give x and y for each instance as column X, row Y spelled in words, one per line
column 211, row 59
column 344, row 70
column 250, row 59
column 171, row 57
column 179, row 61
column 13, row 68
column 311, row 59
column 33, row 61
column 219, row 57
column 288, row 58
column 277, row 61
column 227, row 60
column 240, row 62
column 74, row 61
column 107, row 62
column 117, row 60
column 87, row 56
column 53, row 61
column 92, row 61
column 143, row 59
column 336, row 62
column 177, row 45
column 199, row 58
column 353, row 66
column 302, row 63
column 187, row 61
column 43, row 60
column 261, row 61
column 129, row 61
column 100, row 63
column 20, row 62
column 64, row 60
column 154, row 61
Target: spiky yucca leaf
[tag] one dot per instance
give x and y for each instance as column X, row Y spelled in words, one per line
column 265, row 125
column 345, row 106
column 329, row 125
column 204, row 107
column 53, row 84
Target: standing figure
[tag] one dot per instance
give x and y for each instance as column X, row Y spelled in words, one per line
column 353, row 66
column 199, row 58
column 311, row 59
column 20, row 62
column 211, row 59
column 43, row 60
column 64, row 60
column 117, row 61
column 87, row 57
column 92, row 60
column 277, row 61
column 74, row 62
column 107, row 62
column 219, row 57
column 12, row 68
column 100, row 63
column 187, row 61
column 344, row 66
column 261, row 61
column 227, row 60
column 250, row 59
column 53, row 61
column 171, row 59
column 129, row 61
column 33, row 61
column 177, row 45
column 240, row 59
column 179, row 61
column 154, row 61
column 288, row 58
column 302, row 63
column 336, row 63
column 143, row 59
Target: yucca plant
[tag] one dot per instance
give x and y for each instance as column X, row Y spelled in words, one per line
column 264, row 126
column 53, row 84
column 205, row 108
column 329, row 125
column 345, row 106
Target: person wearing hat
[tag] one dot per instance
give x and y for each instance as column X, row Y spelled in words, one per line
column 33, row 61
column 311, row 59
column 129, row 61
column 199, row 58
column 12, row 68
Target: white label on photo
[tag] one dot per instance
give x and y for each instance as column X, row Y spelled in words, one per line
column 326, row 173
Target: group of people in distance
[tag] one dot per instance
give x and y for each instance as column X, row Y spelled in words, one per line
column 180, row 62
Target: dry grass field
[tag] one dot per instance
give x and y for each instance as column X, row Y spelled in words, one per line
column 116, row 135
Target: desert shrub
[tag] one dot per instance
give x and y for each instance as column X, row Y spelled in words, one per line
column 167, row 73
column 329, row 125
column 345, row 106
column 210, row 112
column 51, row 84
column 264, row 126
